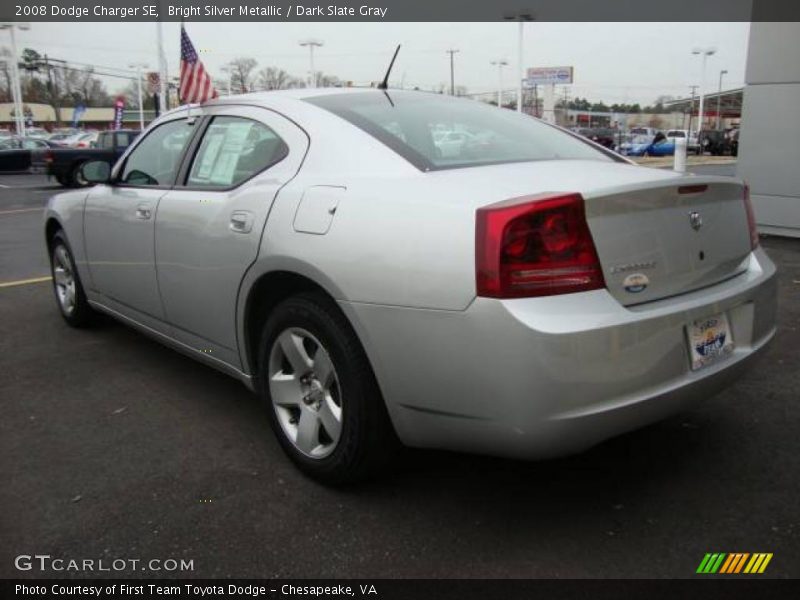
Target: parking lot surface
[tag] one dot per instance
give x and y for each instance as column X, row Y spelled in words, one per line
column 115, row 447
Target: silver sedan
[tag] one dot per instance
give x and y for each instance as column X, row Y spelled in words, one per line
column 527, row 294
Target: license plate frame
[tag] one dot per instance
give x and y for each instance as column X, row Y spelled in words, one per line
column 709, row 341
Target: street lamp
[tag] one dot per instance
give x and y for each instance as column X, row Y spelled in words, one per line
column 311, row 43
column 452, row 53
column 521, row 17
column 719, row 98
column 705, row 53
column 139, row 67
column 500, row 64
column 16, row 87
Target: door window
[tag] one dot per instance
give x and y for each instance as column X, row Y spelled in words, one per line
column 233, row 150
column 156, row 159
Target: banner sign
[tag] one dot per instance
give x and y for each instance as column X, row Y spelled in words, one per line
column 119, row 106
column 548, row 75
column 77, row 114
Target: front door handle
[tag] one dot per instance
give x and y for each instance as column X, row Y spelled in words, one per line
column 241, row 221
column 143, row 212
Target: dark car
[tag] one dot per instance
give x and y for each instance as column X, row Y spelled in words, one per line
column 23, row 154
column 65, row 163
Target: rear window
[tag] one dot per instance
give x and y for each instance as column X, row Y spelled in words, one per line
column 440, row 132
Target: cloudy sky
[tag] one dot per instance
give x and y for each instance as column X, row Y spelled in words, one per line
column 614, row 62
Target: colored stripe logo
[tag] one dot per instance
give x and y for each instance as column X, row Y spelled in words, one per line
column 734, row 563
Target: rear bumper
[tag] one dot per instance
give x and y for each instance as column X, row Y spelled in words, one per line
column 534, row 378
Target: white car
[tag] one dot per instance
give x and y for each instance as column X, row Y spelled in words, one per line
column 529, row 298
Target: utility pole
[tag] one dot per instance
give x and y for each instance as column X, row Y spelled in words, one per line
column 566, row 106
column 719, row 98
column 500, row 64
column 451, row 52
column 139, row 67
column 163, row 82
column 311, row 44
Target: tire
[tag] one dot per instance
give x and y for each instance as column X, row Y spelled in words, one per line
column 62, row 180
column 67, row 287
column 330, row 420
column 76, row 177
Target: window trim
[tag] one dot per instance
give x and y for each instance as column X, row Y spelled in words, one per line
column 182, row 179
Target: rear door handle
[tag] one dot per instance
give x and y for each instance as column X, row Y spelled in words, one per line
column 143, row 212
column 241, row 221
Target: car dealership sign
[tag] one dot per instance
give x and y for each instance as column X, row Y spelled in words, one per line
column 548, row 75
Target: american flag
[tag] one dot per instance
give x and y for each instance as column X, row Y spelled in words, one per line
column 195, row 84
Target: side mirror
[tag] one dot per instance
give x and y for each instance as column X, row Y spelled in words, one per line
column 96, row 171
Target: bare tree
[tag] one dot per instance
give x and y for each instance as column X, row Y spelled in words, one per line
column 240, row 71
column 324, row 80
column 273, row 78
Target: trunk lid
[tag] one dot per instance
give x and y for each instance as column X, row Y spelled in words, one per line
column 656, row 240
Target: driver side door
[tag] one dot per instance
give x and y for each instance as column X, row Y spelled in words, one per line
column 119, row 222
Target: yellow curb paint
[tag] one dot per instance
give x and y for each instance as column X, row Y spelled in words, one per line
column 6, row 284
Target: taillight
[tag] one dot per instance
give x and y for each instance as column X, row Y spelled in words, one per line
column 535, row 246
column 751, row 218
column 48, row 157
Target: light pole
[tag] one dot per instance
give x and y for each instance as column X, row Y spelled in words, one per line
column 16, row 86
column 311, row 43
column 452, row 52
column 163, row 78
column 521, row 17
column 139, row 67
column 705, row 53
column 500, row 64
column 719, row 98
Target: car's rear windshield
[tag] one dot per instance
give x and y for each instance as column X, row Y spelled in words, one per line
column 440, row 132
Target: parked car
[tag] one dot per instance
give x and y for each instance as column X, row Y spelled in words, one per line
column 87, row 139
column 23, row 154
column 692, row 141
column 65, row 163
column 528, row 302
column 637, row 145
column 646, row 131
column 37, row 132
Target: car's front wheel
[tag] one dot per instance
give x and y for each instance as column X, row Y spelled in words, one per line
column 322, row 397
column 69, row 293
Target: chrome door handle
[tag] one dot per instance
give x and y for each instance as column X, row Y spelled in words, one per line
column 143, row 212
column 241, row 221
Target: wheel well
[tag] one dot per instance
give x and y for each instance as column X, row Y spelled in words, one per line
column 265, row 295
column 50, row 230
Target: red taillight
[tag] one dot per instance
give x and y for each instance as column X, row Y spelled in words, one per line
column 48, row 157
column 535, row 246
column 751, row 218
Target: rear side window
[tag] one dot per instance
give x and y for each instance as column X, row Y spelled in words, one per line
column 105, row 141
column 439, row 132
column 234, row 149
column 156, row 159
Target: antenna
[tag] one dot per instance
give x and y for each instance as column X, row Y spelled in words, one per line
column 385, row 83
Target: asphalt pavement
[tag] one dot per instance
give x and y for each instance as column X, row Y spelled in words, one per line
column 114, row 446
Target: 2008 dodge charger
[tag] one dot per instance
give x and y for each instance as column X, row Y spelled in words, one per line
column 390, row 266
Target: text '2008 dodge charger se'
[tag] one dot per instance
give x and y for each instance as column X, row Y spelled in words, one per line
column 512, row 290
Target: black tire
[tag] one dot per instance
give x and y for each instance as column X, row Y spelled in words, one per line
column 367, row 441
column 76, row 177
column 62, row 180
column 80, row 314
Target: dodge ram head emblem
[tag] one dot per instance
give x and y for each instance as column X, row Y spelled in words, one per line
column 695, row 220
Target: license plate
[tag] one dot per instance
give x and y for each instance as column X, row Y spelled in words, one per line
column 710, row 340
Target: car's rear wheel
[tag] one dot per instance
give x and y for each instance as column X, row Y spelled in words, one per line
column 322, row 397
column 78, row 180
column 69, row 293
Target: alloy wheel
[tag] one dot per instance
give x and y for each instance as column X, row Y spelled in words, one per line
column 64, row 280
column 305, row 391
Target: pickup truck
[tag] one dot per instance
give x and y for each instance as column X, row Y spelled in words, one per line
column 65, row 163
